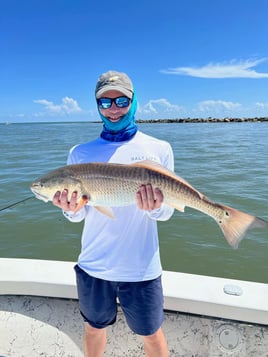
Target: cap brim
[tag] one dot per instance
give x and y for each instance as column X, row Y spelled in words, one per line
column 124, row 91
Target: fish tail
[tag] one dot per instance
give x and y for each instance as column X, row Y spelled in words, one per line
column 236, row 224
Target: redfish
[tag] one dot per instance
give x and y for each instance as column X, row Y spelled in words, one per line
column 105, row 185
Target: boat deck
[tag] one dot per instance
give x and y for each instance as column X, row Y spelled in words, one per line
column 39, row 315
column 40, row 326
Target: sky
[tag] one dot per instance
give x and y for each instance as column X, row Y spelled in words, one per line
column 186, row 58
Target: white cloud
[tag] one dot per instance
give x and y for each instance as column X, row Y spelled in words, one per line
column 217, row 106
column 232, row 69
column 218, row 109
column 261, row 109
column 67, row 106
column 262, row 105
column 163, row 109
column 160, row 106
column 19, row 115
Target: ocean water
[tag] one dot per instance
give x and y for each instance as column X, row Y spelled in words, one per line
column 228, row 162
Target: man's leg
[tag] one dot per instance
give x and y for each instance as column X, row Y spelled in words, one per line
column 94, row 341
column 155, row 345
column 142, row 303
column 97, row 312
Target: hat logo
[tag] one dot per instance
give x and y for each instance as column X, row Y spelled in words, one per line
column 114, row 78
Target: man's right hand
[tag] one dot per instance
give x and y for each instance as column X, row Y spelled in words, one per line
column 60, row 200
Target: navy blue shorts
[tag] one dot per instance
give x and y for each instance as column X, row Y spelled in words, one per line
column 142, row 302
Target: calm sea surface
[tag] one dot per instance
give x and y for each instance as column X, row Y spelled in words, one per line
column 228, row 162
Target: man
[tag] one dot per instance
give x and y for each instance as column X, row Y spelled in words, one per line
column 120, row 258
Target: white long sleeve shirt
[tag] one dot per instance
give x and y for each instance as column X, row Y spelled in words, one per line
column 125, row 248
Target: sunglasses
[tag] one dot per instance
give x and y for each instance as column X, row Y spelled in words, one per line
column 120, row 102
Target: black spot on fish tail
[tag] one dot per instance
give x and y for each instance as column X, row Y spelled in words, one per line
column 235, row 224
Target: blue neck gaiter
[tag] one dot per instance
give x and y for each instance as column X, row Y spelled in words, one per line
column 124, row 129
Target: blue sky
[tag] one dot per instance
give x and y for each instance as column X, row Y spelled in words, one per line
column 187, row 58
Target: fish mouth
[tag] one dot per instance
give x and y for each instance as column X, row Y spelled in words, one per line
column 39, row 195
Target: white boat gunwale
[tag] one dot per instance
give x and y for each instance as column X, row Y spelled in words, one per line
column 237, row 300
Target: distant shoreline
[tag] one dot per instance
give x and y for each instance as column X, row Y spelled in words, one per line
column 205, row 120
column 200, row 120
column 159, row 121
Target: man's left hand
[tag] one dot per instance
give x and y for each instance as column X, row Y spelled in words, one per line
column 148, row 198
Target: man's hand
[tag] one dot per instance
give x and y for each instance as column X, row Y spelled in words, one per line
column 60, row 200
column 149, row 199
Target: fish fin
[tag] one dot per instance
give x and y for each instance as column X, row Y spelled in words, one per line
column 155, row 166
column 81, row 203
column 177, row 206
column 236, row 224
column 107, row 211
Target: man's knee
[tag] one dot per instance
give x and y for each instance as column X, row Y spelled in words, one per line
column 94, row 341
column 156, row 345
column 93, row 331
column 155, row 337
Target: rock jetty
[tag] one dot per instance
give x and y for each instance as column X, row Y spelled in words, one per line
column 205, row 120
